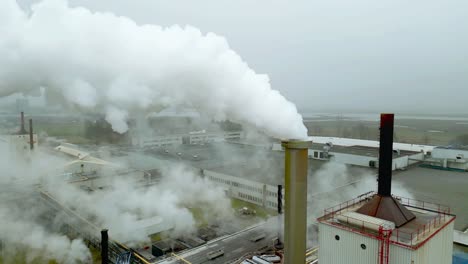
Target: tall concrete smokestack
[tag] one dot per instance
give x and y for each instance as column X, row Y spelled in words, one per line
column 295, row 213
column 31, row 135
column 104, row 247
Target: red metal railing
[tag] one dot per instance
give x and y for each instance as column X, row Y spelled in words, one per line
column 398, row 236
column 439, row 208
column 337, row 208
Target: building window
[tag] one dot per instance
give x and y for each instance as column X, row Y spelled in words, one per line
column 315, row 154
column 363, row 246
column 337, row 237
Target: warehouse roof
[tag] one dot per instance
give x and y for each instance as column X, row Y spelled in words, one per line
column 369, row 143
column 360, row 150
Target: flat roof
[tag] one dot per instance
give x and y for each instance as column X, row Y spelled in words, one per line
column 360, row 150
column 456, row 147
column 437, row 186
column 370, row 143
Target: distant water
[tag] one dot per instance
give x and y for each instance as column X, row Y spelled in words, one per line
column 375, row 117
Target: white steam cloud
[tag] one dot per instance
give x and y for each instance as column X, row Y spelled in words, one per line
column 107, row 63
column 121, row 206
column 16, row 229
column 20, row 211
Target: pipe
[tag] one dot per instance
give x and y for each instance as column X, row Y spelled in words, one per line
column 31, row 136
column 385, row 155
column 104, row 247
column 295, row 213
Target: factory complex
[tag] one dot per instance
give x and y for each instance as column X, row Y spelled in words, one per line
column 286, row 214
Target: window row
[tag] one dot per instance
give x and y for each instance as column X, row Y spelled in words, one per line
column 250, row 197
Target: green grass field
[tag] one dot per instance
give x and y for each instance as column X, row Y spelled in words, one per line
column 414, row 131
column 260, row 211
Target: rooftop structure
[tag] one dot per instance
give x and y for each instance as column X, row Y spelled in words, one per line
column 389, row 229
column 347, row 236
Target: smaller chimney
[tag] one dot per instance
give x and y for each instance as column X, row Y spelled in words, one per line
column 22, row 129
column 31, row 135
column 279, row 242
column 104, row 247
column 385, row 155
column 280, row 199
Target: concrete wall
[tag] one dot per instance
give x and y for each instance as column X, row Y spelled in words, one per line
column 450, row 158
column 438, row 250
column 441, row 153
column 347, row 248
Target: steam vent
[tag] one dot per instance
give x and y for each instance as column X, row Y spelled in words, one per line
column 381, row 228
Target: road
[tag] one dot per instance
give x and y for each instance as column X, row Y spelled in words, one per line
column 234, row 246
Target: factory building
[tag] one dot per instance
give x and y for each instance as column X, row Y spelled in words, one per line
column 192, row 138
column 22, row 142
column 244, row 189
column 157, row 141
column 364, row 156
column 450, row 157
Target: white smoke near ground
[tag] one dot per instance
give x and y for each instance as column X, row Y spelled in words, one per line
column 16, row 229
column 20, row 231
column 123, row 203
column 335, row 183
column 107, row 63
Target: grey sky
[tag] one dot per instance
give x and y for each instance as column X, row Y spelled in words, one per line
column 365, row 55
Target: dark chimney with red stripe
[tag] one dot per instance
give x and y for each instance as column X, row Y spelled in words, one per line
column 383, row 205
column 385, row 154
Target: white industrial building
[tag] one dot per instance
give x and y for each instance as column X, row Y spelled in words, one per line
column 449, row 157
column 363, row 153
column 346, row 142
column 193, row 138
column 365, row 156
column 247, row 190
column 346, row 236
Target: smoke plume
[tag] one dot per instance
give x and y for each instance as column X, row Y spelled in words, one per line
column 124, row 202
column 18, row 230
column 100, row 61
column 20, row 211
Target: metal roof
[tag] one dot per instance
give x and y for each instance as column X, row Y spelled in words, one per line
column 359, row 150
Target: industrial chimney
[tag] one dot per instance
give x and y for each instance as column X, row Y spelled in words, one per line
column 383, row 205
column 31, row 135
column 295, row 213
column 22, row 130
column 104, row 246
